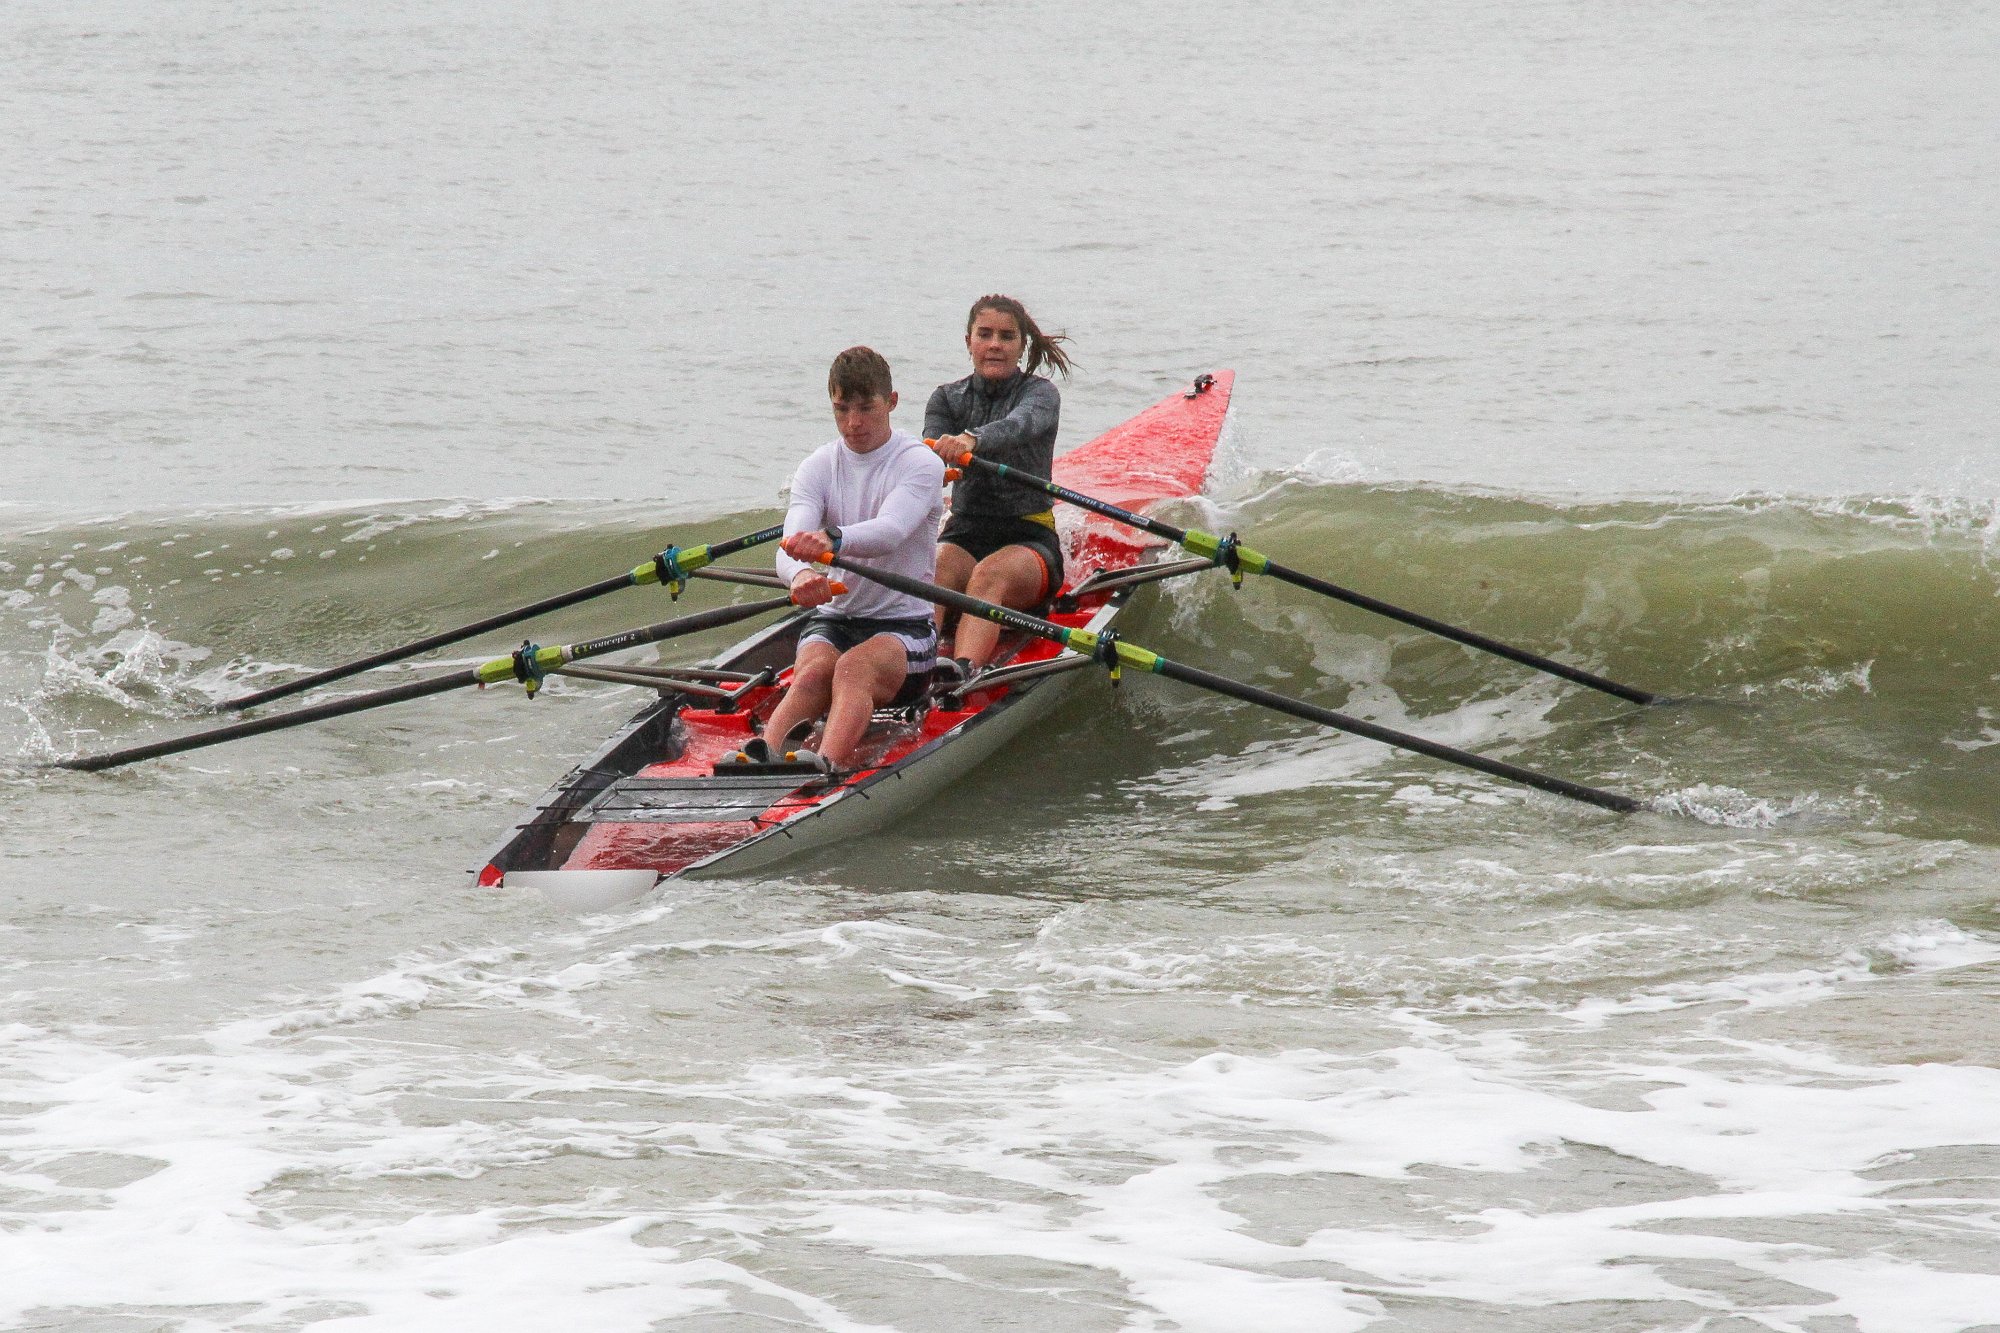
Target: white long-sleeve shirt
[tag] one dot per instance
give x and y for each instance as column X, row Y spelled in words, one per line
column 888, row 504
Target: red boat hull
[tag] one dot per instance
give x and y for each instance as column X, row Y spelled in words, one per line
column 664, row 760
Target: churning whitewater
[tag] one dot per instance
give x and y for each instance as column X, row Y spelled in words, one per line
column 1266, row 1027
column 1656, row 339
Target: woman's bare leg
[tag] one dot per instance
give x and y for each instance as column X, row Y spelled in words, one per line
column 1012, row 576
column 954, row 570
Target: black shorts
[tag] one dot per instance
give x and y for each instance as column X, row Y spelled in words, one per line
column 918, row 633
column 981, row 537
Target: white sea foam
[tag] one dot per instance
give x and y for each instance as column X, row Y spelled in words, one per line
column 1922, row 947
column 1313, row 1063
column 1930, row 516
column 370, row 527
column 1202, row 1191
column 136, row 669
column 1732, row 807
column 1989, row 734
column 1821, row 682
column 186, row 1164
column 1333, row 760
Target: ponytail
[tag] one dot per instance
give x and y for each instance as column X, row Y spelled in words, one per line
column 1043, row 349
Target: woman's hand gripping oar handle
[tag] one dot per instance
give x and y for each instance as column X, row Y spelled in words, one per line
column 1114, row 651
column 670, row 569
column 528, row 666
column 1237, row 558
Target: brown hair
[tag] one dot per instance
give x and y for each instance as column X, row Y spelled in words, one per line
column 1043, row 348
column 859, row 372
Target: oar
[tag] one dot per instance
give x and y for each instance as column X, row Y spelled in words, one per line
column 1115, row 652
column 528, row 666
column 670, row 568
column 1231, row 554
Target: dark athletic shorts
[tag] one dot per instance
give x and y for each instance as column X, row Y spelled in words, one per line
column 918, row 633
column 981, row 537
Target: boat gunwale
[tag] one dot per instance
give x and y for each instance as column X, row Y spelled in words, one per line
column 607, row 766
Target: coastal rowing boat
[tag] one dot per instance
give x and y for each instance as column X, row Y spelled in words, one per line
column 658, row 799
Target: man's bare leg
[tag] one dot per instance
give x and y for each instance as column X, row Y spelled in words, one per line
column 811, row 691
column 866, row 677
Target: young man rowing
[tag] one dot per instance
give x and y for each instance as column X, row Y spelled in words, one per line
column 876, row 493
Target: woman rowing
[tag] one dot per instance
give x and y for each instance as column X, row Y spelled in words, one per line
column 1000, row 543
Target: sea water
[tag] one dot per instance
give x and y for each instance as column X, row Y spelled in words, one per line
column 1655, row 338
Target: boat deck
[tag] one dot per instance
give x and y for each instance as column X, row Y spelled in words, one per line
column 670, row 797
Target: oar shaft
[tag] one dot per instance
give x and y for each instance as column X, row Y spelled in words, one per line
column 1209, row 545
column 674, row 629
column 424, row 645
column 1470, row 638
column 416, row 689
column 1299, row 708
column 1173, row 534
column 1143, row 659
column 716, row 550
column 667, row 567
column 487, row 673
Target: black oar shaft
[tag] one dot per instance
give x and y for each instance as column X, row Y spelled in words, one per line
column 1173, row 534
column 488, row 673
column 674, row 629
column 424, row 645
column 1299, row 708
column 1261, row 564
column 653, row 571
column 417, row 689
column 1236, row 689
column 1470, row 638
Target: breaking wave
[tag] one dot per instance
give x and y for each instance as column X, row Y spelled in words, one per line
column 1828, row 654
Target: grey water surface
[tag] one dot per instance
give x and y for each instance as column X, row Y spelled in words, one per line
column 1659, row 338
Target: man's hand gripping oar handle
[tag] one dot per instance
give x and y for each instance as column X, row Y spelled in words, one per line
column 1236, row 558
column 1115, row 651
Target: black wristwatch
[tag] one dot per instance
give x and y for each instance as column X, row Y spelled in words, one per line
column 833, row 535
